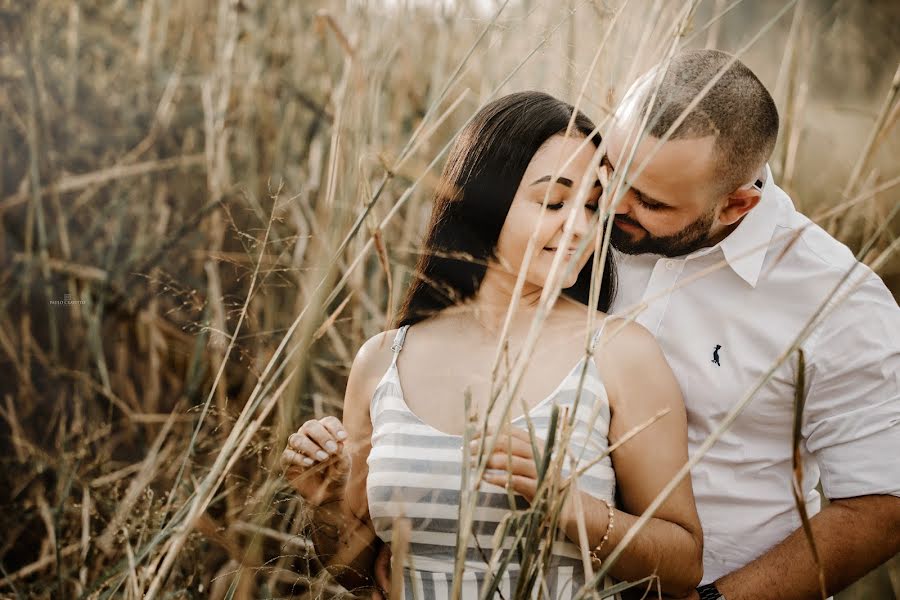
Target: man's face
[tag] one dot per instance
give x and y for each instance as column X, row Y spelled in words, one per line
column 672, row 207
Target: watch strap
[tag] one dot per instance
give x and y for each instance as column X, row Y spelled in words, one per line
column 709, row 592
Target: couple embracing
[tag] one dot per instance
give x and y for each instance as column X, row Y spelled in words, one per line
column 714, row 277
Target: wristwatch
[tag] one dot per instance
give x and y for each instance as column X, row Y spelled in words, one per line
column 709, row 592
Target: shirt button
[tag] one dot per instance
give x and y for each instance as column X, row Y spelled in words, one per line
column 670, row 264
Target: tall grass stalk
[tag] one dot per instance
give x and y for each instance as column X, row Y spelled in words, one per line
column 235, row 191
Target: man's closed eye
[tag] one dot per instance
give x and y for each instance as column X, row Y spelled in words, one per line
column 649, row 204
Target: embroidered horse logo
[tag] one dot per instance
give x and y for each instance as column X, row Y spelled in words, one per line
column 715, row 357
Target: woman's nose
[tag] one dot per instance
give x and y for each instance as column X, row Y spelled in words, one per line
column 582, row 222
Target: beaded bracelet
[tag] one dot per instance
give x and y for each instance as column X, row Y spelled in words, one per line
column 595, row 553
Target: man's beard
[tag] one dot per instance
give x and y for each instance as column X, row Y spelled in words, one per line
column 691, row 238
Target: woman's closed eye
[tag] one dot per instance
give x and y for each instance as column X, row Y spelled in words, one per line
column 591, row 206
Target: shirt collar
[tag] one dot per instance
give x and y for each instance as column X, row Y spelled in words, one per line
column 745, row 247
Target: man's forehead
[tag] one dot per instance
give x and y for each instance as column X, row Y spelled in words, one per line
column 629, row 109
column 698, row 150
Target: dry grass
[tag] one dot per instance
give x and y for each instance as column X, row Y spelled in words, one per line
column 208, row 205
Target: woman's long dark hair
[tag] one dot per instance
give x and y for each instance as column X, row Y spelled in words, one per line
column 478, row 184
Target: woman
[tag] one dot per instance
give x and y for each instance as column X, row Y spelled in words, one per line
column 398, row 452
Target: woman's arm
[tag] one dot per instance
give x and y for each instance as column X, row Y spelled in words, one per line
column 640, row 384
column 335, row 486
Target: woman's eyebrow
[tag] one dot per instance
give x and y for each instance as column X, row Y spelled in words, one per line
column 561, row 180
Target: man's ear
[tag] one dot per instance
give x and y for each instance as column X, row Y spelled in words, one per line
column 739, row 203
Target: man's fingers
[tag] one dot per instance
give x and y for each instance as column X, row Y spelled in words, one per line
column 383, row 568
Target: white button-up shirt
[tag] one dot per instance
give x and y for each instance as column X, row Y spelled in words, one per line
column 722, row 333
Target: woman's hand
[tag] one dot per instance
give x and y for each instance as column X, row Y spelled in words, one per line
column 315, row 462
column 511, row 464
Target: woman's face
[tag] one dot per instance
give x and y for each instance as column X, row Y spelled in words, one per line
column 525, row 211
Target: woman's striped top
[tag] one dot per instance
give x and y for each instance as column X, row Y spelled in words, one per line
column 415, row 474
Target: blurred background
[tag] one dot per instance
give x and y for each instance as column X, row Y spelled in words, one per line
column 232, row 191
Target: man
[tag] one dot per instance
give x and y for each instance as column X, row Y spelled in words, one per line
column 704, row 202
column 706, row 197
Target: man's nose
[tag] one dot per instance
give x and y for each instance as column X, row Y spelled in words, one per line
column 624, row 206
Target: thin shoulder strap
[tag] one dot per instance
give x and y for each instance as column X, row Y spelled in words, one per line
column 397, row 346
column 598, row 333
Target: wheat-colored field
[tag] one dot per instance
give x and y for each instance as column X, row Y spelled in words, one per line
column 208, row 205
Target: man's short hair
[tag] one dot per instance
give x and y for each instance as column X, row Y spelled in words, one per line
column 738, row 110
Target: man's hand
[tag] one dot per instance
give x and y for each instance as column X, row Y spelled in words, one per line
column 692, row 596
column 383, row 573
column 642, row 593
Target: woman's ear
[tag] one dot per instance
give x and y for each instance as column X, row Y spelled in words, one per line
column 739, row 203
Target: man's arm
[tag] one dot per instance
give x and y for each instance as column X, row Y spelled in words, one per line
column 345, row 546
column 852, row 536
column 851, row 427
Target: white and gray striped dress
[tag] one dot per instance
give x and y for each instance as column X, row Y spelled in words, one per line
column 415, row 473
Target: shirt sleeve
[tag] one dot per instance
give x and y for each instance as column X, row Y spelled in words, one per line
column 852, row 415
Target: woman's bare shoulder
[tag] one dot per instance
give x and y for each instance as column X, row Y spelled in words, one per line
column 623, row 331
column 635, row 370
column 626, row 345
column 371, row 362
column 374, row 356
